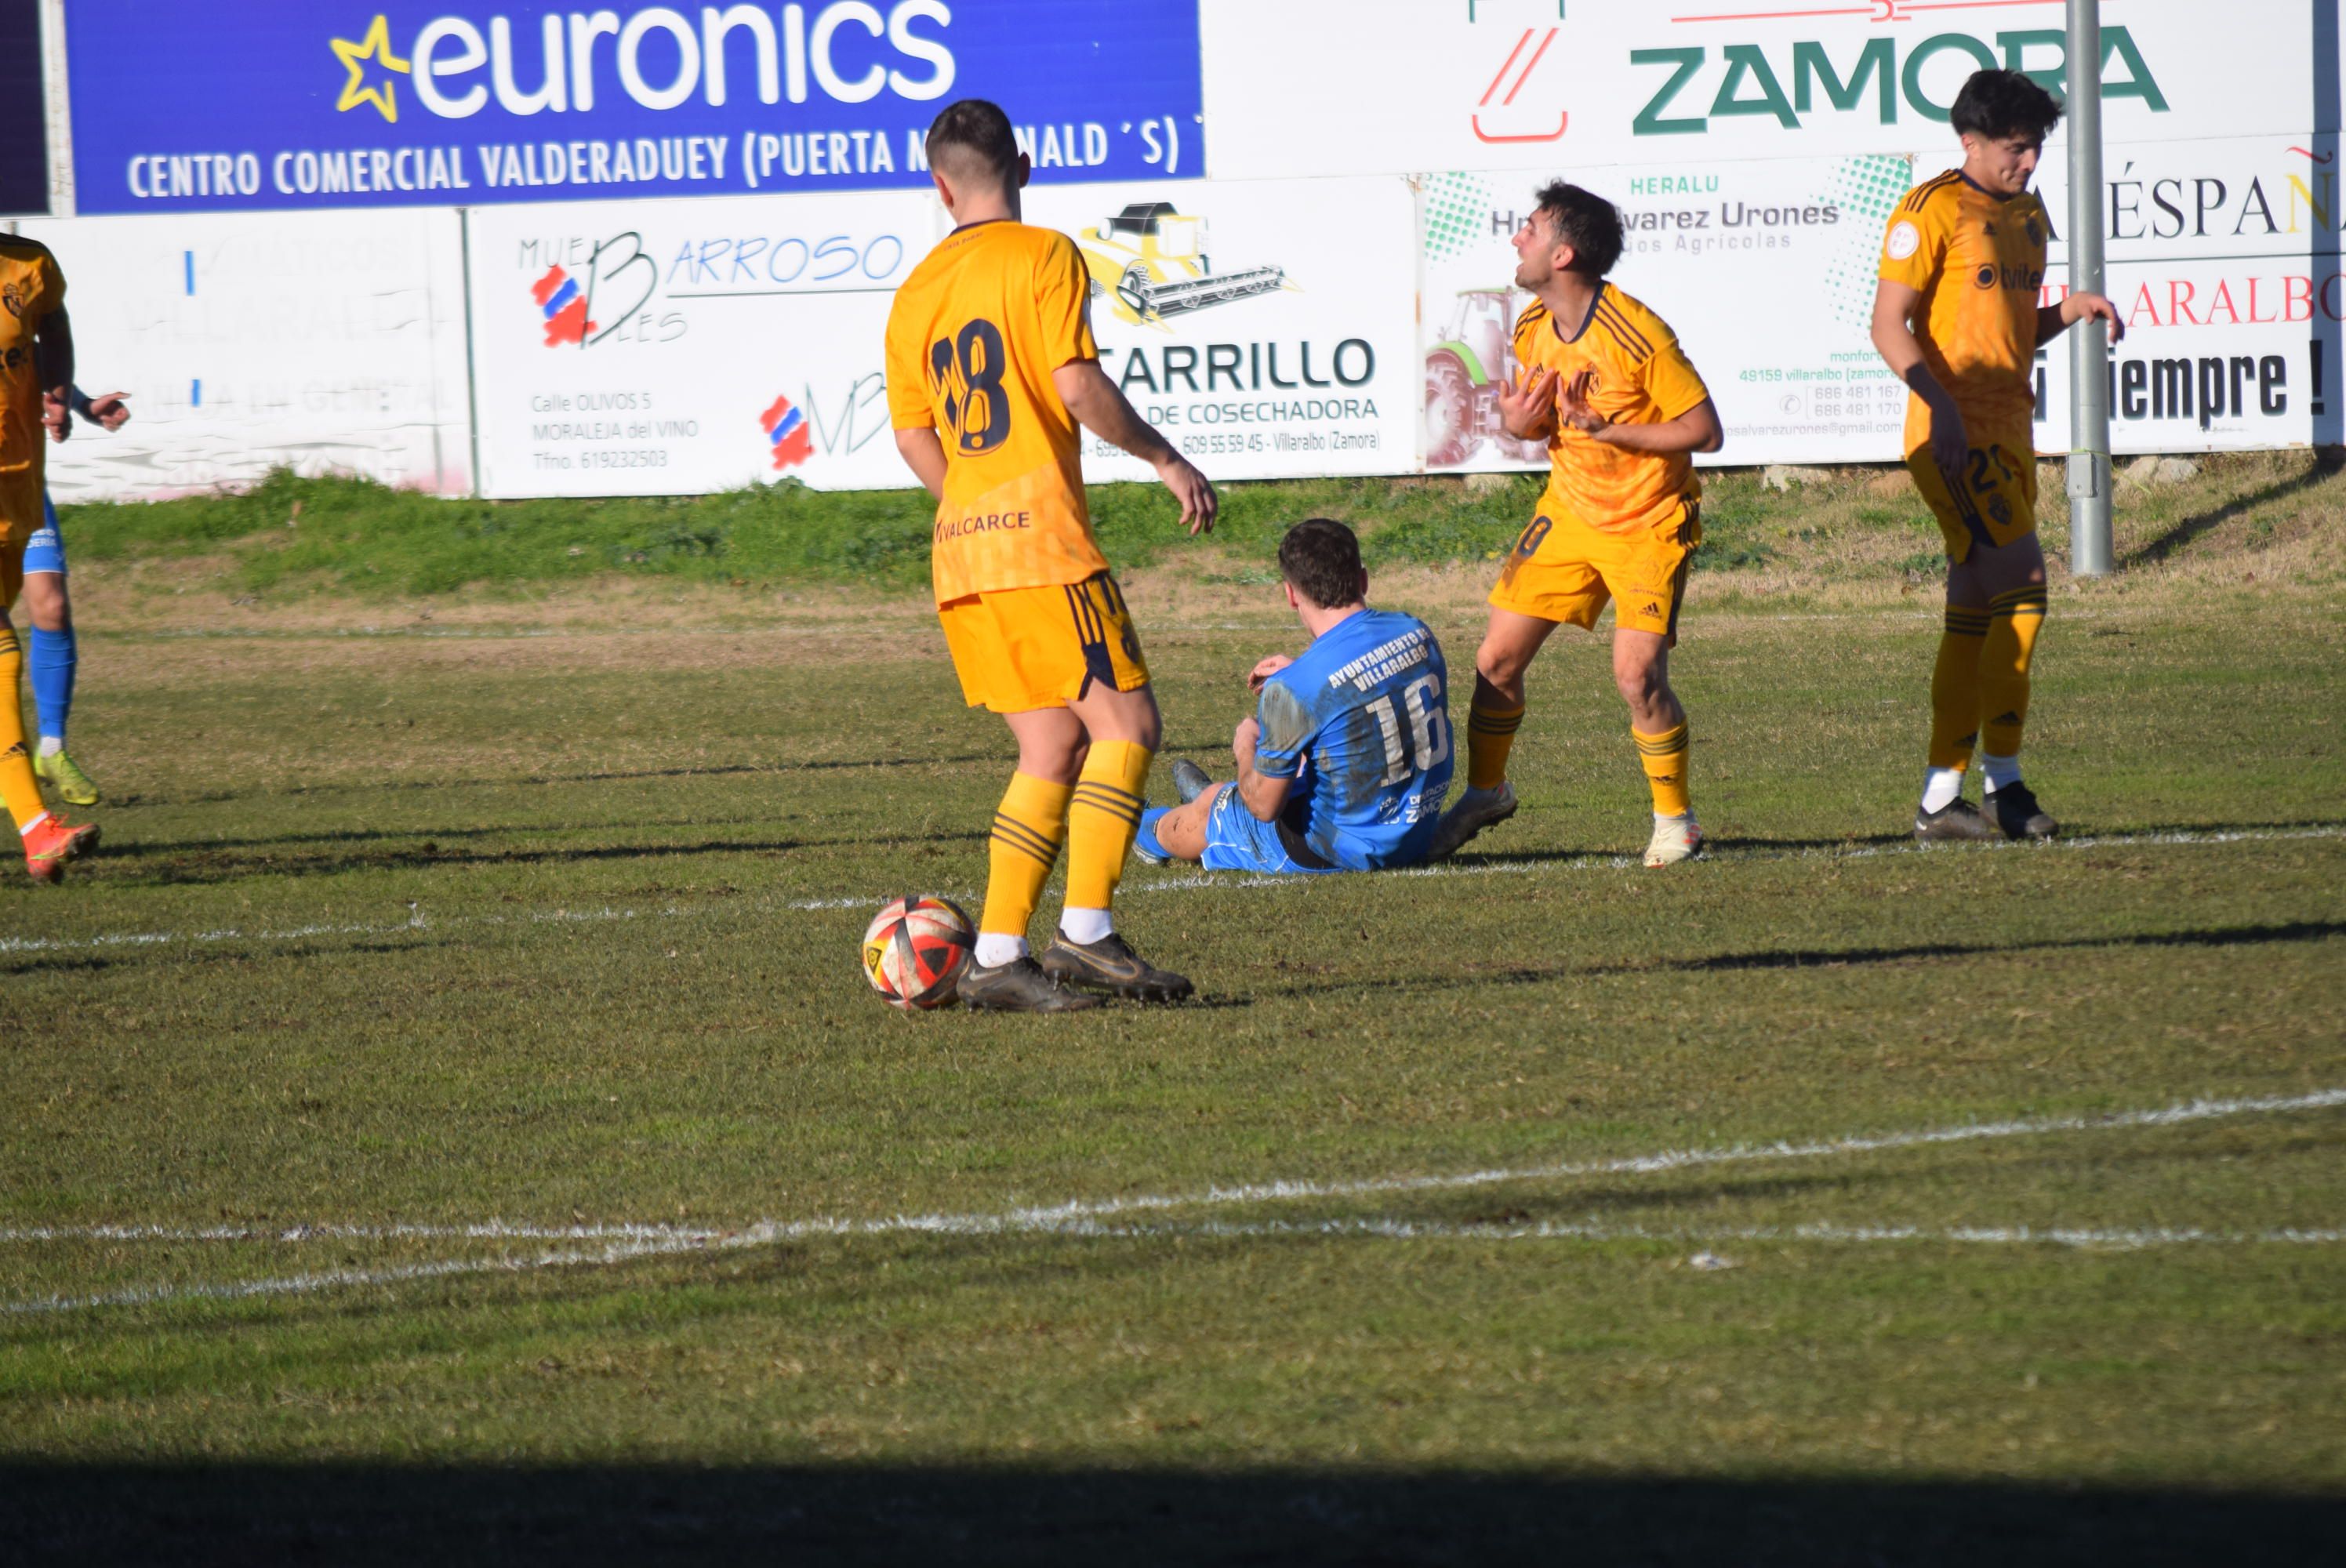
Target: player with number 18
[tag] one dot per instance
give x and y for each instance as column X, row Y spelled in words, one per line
column 992, row 368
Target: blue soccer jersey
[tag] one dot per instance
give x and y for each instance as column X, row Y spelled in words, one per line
column 1361, row 723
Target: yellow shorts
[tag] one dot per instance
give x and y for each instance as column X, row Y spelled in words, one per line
column 1995, row 504
column 1564, row 570
column 1021, row 648
column 20, row 518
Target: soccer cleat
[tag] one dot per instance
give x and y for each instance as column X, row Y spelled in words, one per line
column 2018, row 814
column 49, row 846
column 1109, row 964
column 1018, row 986
column 1675, row 838
column 1476, row 810
column 1189, row 780
column 1957, row 821
column 73, row 786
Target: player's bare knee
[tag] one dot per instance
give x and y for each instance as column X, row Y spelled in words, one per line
column 46, row 603
column 1502, row 664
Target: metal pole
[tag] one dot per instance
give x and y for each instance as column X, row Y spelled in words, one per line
column 2089, row 348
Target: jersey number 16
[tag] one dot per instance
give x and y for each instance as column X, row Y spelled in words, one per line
column 1429, row 728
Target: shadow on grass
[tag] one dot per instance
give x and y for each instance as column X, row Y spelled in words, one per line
column 1823, row 957
column 735, row 769
column 199, row 863
column 239, row 1513
column 2328, row 461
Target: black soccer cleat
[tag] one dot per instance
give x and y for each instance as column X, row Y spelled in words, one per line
column 1109, row 964
column 2018, row 814
column 1957, row 821
column 1189, row 780
column 1018, row 986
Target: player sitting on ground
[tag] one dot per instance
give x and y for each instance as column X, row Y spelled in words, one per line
column 1956, row 316
column 1345, row 762
column 36, row 366
column 49, row 606
column 1623, row 410
column 991, row 368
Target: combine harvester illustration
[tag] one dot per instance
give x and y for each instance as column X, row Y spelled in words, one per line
column 1154, row 260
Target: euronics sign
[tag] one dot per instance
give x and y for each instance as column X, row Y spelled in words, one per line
column 338, row 103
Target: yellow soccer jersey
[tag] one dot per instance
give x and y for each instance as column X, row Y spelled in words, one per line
column 1643, row 377
column 972, row 338
column 31, row 285
column 1978, row 261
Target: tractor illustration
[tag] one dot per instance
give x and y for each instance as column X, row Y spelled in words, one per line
column 1463, row 373
column 1154, row 260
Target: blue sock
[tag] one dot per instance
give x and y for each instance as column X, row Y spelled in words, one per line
column 1145, row 844
column 51, row 658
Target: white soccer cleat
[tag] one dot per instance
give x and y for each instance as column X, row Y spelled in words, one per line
column 1675, row 838
column 1476, row 810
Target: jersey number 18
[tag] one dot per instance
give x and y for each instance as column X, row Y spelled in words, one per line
column 970, row 365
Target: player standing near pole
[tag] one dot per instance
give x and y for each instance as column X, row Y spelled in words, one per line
column 1624, row 412
column 1956, row 315
column 37, row 373
column 992, row 368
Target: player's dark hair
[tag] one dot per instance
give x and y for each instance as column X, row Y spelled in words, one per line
column 971, row 139
column 2002, row 103
column 1320, row 559
column 1585, row 221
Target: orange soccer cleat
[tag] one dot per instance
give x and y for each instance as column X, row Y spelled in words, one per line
column 53, row 842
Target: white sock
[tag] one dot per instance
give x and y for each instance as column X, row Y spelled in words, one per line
column 996, row 948
column 1481, row 795
column 51, row 745
column 1085, row 926
column 1941, row 788
column 1999, row 771
column 1661, row 821
column 26, row 831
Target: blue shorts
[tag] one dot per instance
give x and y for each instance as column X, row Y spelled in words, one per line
column 1238, row 841
column 45, row 550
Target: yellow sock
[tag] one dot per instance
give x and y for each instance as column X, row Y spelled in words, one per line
column 1956, row 689
column 1490, row 736
column 1664, row 756
column 2015, row 619
column 17, row 786
column 1027, row 828
column 1103, row 819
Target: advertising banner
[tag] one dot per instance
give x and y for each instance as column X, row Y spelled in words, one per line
column 671, row 348
column 23, row 113
column 343, row 103
column 327, row 344
column 2224, row 263
column 1266, row 327
column 1765, row 270
column 1358, row 87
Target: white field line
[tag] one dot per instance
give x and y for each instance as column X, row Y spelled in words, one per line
column 1593, row 1230
column 1082, row 1216
column 418, row 921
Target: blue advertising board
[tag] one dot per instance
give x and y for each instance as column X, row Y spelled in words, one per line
column 193, row 104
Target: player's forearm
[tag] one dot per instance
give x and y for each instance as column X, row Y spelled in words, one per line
column 1687, row 432
column 53, row 352
column 1100, row 407
column 1264, row 798
column 924, row 454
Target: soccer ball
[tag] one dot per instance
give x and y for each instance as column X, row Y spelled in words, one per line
column 915, row 951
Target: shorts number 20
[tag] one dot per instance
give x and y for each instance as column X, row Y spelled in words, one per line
column 1429, row 728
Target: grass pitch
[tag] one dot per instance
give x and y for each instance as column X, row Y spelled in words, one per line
column 453, row 1105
